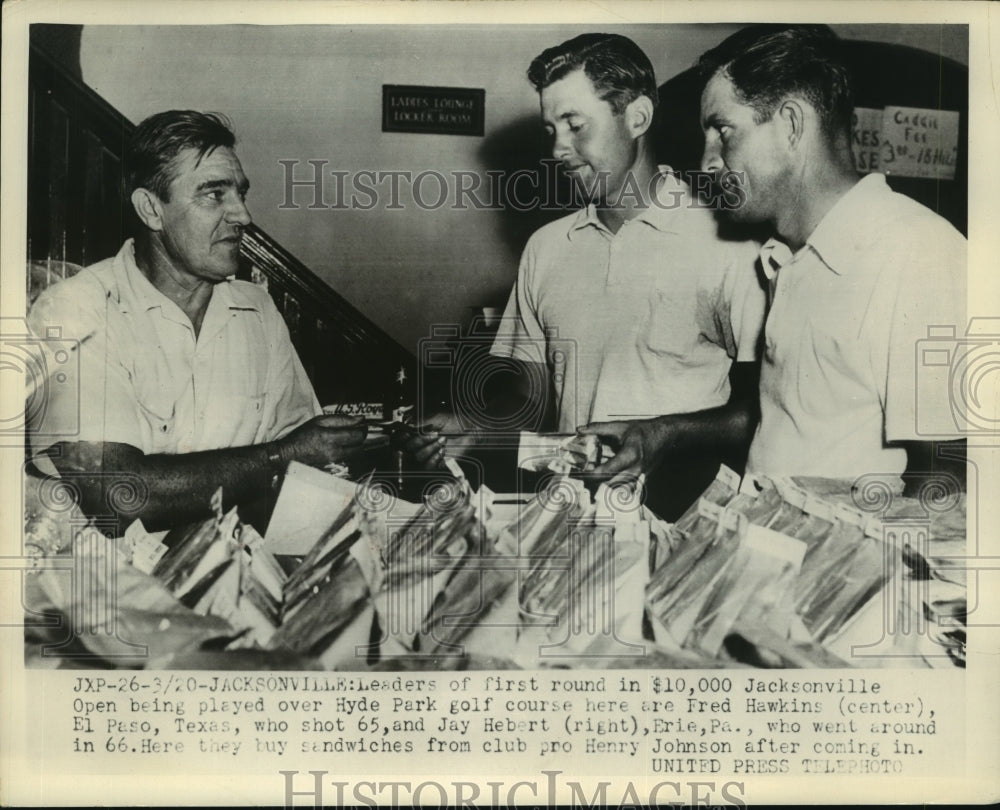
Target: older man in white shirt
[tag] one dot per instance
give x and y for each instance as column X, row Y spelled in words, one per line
column 187, row 379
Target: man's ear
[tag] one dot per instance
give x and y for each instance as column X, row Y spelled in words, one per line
column 639, row 115
column 792, row 115
column 147, row 207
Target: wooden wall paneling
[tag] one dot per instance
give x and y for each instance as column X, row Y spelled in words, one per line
column 57, row 154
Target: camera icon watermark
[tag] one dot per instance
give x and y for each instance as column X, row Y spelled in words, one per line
column 920, row 611
column 46, row 368
column 958, row 381
column 469, row 369
column 425, row 528
column 450, row 587
column 80, row 615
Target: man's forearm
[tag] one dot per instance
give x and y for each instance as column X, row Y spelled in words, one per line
column 724, row 431
column 164, row 490
column 728, row 428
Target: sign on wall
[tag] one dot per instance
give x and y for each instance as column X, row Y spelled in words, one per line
column 906, row 142
column 436, row 110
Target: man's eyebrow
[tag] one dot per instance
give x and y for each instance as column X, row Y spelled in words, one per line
column 224, row 182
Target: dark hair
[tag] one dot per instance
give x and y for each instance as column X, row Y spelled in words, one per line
column 155, row 144
column 618, row 68
column 767, row 63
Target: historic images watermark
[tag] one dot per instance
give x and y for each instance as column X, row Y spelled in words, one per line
column 310, row 184
column 320, row 789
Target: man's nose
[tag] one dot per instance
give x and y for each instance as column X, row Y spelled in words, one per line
column 238, row 213
column 711, row 160
column 561, row 147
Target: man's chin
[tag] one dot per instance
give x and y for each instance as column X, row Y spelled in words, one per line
column 221, row 271
column 584, row 185
column 226, row 261
column 589, row 193
column 740, row 214
column 732, row 214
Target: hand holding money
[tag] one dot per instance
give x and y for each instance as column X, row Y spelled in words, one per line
column 322, row 439
column 639, row 445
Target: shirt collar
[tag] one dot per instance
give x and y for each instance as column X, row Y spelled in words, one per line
column 774, row 254
column 132, row 291
column 672, row 194
column 583, row 218
column 832, row 240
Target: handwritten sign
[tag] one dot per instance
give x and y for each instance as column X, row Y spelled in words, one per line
column 437, row 110
column 924, row 143
column 906, row 142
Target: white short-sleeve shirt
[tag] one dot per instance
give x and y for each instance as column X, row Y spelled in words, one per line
column 638, row 323
column 143, row 379
column 841, row 367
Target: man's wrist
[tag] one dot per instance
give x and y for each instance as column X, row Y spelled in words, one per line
column 276, row 462
column 663, row 432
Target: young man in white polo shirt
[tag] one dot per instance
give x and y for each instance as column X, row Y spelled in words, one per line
column 857, row 272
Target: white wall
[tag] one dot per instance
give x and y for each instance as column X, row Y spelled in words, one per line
column 302, row 93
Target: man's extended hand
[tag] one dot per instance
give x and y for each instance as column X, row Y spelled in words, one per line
column 438, row 432
column 639, row 445
column 425, row 446
column 323, row 439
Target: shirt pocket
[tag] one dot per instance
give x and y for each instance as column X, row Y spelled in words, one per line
column 834, row 335
column 236, row 420
column 671, row 329
column 833, row 377
column 158, row 420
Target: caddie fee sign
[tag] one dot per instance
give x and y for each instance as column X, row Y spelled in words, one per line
column 434, row 110
column 906, row 142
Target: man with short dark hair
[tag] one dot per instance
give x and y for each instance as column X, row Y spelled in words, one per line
column 187, row 377
column 857, row 272
column 650, row 306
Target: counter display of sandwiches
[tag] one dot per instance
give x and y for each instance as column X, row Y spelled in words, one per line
column 772, row 573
